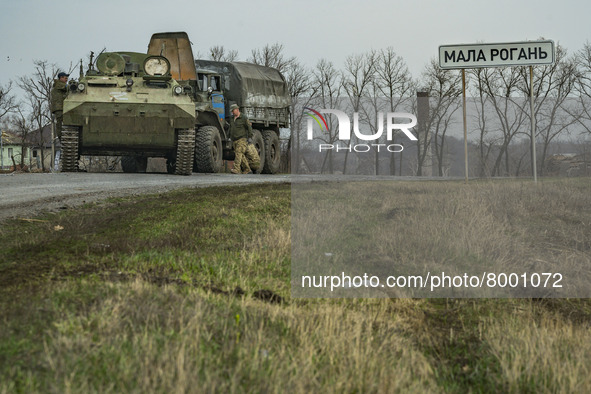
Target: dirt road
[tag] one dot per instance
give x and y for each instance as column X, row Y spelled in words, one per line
column 26, row 195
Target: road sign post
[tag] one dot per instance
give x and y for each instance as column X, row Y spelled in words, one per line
column 511, row 54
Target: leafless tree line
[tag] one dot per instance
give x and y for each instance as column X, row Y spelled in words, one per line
column 379, row 81
column 499, row 114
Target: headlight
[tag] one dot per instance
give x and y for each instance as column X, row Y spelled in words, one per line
column 178, row 89
column 129, row 83
column 81, row 87
column 156, row 65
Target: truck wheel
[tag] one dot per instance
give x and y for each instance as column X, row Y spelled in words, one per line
column 259, row 144
column 272, row 152
column 208, row 150
column 184, row 152
column 134, row 164
column 70, row 154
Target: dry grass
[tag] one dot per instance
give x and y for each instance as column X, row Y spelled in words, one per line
column 145, row 339
column 540, row 353
column 396, row 228
column 156, row 311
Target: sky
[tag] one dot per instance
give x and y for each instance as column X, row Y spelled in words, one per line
column 63, row 32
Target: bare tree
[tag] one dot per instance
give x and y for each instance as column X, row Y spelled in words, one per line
column 219, row 54
column 553, row 85
column 39, row 83
column 394, row 82
column 301, row 92
column 37, row 88
column 583, row 85
column 357, row 77
column 8, row 105
column 389, row 88
column 486, row 139
column 271, row 56
column 298, row 81
column 502, row 88
column 326, row 85
column 21, row 127
column 8, row 102
column 38, row 121
column 443, row 88
column 373, row 104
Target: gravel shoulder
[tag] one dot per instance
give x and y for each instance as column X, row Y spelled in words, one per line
column 25, row 195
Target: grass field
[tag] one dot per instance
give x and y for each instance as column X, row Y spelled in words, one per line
column 189, row 291
column 481, row 229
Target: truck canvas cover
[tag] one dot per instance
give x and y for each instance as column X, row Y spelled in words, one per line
column 250, row 85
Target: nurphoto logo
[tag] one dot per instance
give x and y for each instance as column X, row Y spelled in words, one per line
column 344, row 130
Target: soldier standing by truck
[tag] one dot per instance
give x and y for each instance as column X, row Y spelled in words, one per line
column 253, row 160
column 240, row 133
column 59, row 91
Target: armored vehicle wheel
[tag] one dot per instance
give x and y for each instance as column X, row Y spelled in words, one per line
column 272, row 152
column 184, row 152
column 69, row 155
column 208, row 150
column 259, row 144
column 134, row 164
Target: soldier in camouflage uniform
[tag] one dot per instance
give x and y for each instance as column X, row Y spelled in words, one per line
column 253, row 159
column 59, row 91
column 241, row 134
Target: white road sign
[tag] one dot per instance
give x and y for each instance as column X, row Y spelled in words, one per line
column 528, row 53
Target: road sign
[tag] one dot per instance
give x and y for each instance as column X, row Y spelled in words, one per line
column 527, row 53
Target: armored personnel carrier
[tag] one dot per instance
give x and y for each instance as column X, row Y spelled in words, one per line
column 167, row 104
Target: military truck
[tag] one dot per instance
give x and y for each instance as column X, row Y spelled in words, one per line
column 164, row 103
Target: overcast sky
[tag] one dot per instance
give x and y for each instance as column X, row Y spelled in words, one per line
column 63, row 32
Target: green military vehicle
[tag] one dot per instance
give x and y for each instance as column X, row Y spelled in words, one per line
column 164, row 103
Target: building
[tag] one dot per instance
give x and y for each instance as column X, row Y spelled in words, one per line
column 33, row 151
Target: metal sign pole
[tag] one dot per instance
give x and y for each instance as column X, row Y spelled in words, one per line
column 533, row 124
column 465, row 124
column 52, row 164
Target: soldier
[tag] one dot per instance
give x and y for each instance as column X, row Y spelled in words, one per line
column 253, row 159
column 59, row 91
column 241, row 134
